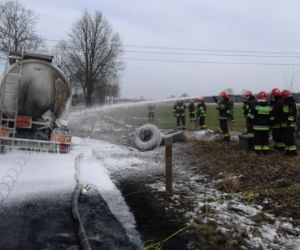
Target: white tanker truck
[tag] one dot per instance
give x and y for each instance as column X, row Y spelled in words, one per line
column 33, row 94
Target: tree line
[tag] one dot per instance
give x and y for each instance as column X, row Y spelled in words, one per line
column 90, row 57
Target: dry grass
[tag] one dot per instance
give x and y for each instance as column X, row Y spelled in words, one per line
column 274, row 176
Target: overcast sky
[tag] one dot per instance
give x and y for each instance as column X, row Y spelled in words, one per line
column 193, row 46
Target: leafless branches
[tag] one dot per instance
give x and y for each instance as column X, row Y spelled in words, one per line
column 17, row 27
column 93, row 55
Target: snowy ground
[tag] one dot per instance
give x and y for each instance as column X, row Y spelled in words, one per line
column 229, row 213
column 26, row 176
column 33, row 176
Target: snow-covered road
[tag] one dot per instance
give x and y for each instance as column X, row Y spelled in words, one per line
column 27, row 176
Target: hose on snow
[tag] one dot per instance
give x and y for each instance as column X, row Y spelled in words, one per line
column 84, row 241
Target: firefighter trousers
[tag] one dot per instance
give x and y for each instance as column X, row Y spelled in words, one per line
column 261, row 141
column 180, row 122
column 289, row 141
column 224, row 128
column 202, row 122
column 192, row 116
column 151, row 116
column 278, row 138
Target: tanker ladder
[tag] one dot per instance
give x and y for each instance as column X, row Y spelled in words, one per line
column 11, row 92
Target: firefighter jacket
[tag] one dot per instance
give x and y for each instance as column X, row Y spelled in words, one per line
column 262, row 115
column 248, row 104
column 225, row 109
column 289, row 113
column 277, row 109
column 179, row 109
column 191, row 107
column 201, row 109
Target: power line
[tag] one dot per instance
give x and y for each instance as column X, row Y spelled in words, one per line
column 211, row 50
column 209, row 54
column 151, row 47
column 210, row 62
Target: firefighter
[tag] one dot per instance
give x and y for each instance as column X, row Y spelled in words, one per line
column 151, row 114
column 191, row 108
column 261, row 114
column 276, row 103
column 248, row 104
column 179, row 112
column 288, row 122
column 201, row 113
column 225, row 114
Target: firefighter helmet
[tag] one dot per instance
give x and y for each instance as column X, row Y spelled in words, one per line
column 262, row 95
column 224, row 94
column 248, row 94
column 286, row 94
column 275, row 92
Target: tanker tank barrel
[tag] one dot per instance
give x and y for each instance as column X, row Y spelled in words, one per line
column 33, row 94
column 27, row 55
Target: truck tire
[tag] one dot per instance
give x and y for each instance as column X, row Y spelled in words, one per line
column 147, row 137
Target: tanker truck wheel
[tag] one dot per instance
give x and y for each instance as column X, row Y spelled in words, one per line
column 147, row 137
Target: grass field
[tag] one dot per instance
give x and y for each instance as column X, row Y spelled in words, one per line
column 138, row 115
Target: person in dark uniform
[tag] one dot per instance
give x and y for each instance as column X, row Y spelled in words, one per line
column 225, row 114
column 288, row 122
column 262, row 116
column 201, row 113
column 248, row 104
column 179, row 110
column 191, row 108
column 151, row 113
column 276, row 103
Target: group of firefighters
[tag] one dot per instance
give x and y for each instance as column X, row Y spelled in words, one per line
column 276, row 113
column 197, row 113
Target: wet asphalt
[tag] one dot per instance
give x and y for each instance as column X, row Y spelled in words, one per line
column 47, row 223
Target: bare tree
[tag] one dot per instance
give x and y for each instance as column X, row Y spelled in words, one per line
column 60, row 54
column 112, row 92
column 17, row 27
column 115, row 91
column 94, row 51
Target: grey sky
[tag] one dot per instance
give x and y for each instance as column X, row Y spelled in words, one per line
column 244, row 25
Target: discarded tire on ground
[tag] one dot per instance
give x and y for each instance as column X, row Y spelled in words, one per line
column 147, row 137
